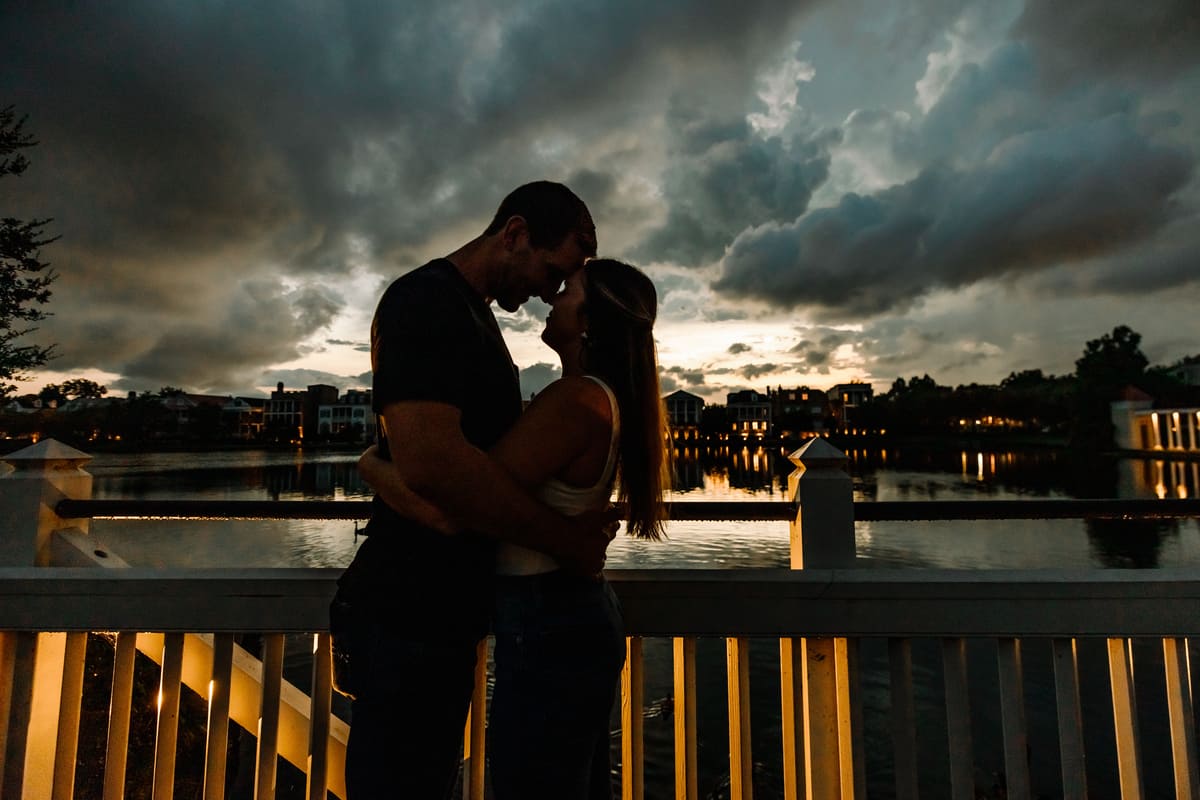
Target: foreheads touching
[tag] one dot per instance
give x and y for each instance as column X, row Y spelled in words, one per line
column 546, row 233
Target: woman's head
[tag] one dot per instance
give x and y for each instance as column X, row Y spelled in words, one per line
column 607, row 310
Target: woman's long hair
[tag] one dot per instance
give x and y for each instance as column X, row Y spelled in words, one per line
column 621, row 305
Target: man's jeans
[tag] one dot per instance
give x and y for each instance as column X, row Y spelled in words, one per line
column 408, row 715
column 560, row 645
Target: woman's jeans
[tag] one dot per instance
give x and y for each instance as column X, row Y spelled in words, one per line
column 560, row 645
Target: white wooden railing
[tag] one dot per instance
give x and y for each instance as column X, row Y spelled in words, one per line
column 818, row 613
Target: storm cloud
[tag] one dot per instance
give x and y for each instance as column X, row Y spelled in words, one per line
column 234, row 185
column 1040, row 199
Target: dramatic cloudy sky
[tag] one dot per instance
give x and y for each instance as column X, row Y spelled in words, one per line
column 821, row 190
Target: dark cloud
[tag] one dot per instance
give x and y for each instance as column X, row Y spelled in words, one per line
column 752, row 371
column 1137, row 42
column 361, row 347
column 723, row 178
column 188, row 148
column 688, row 376
column 261, row 324
column 1042, row 198
column 214, row 170
column 737, row 348
column 1169, row 261
column 301, row 378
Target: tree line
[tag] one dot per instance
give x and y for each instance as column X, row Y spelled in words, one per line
column 1074, row 407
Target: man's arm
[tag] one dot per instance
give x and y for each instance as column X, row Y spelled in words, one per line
column 435, row 460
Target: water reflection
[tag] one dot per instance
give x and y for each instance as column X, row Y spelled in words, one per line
column 1126, row 543
column 725, row 473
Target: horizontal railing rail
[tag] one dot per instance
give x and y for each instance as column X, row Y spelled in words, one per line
column 817, row 614
column 716, row 511
column 760, row 602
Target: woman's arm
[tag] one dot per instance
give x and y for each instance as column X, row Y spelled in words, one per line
column 569, row 416
column 385, row 479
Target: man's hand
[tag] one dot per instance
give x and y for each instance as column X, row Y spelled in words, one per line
column 583, row 552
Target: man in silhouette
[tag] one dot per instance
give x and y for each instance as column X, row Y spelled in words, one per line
column 446, row 389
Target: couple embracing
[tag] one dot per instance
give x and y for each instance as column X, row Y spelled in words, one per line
column 484, row 514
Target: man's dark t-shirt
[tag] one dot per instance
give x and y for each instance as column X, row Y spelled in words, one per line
column 435, row 339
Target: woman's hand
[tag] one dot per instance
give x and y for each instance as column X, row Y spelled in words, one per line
column 382, row 476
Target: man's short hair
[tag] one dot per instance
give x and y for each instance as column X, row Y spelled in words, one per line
column 551, row 212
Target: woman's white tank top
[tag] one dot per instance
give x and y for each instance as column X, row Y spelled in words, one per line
column 567, row 500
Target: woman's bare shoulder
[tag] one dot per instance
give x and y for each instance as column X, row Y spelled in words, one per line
column 574, row 393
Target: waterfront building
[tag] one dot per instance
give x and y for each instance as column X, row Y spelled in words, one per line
column 797, row 410
column 1188, row 372
column 1138, row 425
column 186, row 412
column 18, row 406
column 844, row 398
column 684, row 411
column 350, row 416
column 288, row 411
column 244, row 416
column 749, row 414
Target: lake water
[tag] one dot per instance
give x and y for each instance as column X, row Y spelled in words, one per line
column 738, row 474
column 761, row 474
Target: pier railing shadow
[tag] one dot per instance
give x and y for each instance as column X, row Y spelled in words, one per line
column 57, row 584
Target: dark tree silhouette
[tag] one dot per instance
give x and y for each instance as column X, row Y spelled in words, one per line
column 24, row 278
column 1107, row 366
column 83, row 388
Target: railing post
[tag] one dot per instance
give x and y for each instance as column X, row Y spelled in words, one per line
column 822, row 537
column 30, row 531
column 42, row 474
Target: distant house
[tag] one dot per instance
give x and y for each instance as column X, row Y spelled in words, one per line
column 89, row 403
column 350, row 415
column 1188, row 372
column 1138, row 425
column 748, row 413
column 845, row 398
column 795, row 410
column 17, row 406
column 289, row 412
column 684, row 410
column 244, row 416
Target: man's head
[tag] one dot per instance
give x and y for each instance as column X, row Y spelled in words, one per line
column 545, row 233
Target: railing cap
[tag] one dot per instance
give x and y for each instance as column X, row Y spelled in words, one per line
column 818, row 453
column 48, row 452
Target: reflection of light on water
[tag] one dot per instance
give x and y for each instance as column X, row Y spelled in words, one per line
column 715, row 474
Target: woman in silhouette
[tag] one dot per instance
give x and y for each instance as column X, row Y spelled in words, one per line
column 560, row 643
